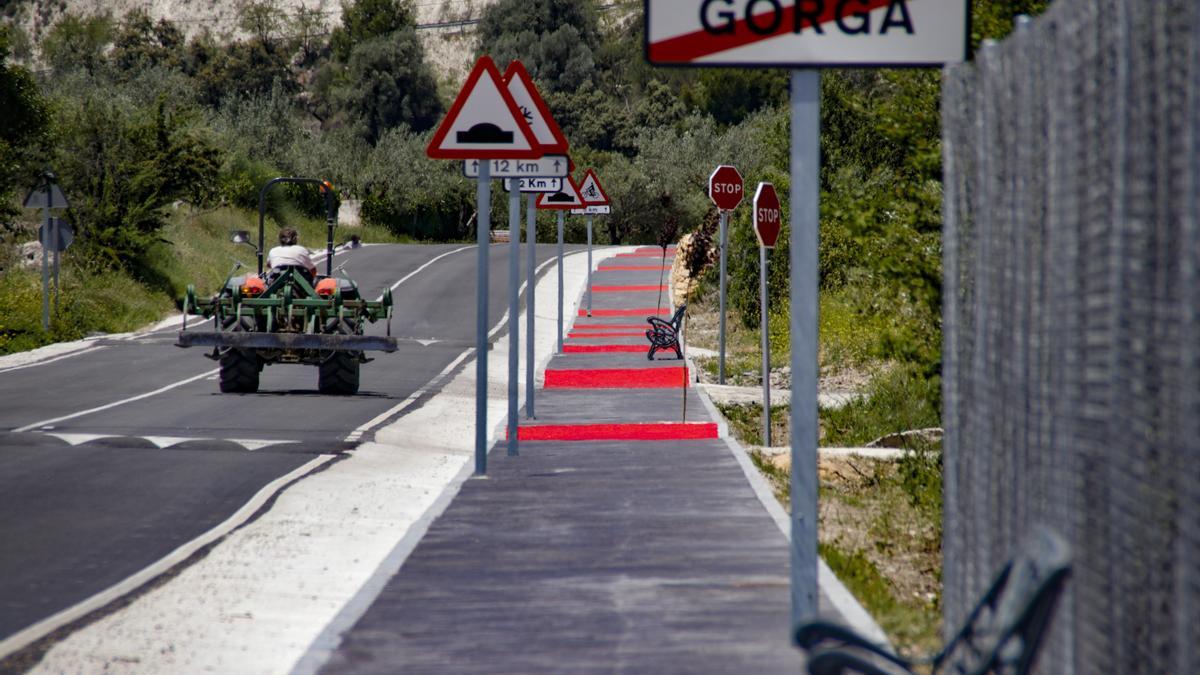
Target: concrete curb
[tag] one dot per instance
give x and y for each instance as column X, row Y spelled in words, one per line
column 842, row 599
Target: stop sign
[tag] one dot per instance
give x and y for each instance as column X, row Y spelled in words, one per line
column 768, row 216
column 725, row 187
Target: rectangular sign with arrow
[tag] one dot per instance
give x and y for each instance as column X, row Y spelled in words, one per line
column 550, row 185
column 550, row 166
column 593, row 210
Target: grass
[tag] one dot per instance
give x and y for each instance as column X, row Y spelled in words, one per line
column 745, row 421
column 880, row 531
column 897, row 399
column 880, row 520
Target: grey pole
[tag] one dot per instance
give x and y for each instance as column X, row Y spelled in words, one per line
column 589, row 279
column 763, row 327
column 46, row 260
column 530, row 302
column 723, row 284
column 514, row 309
column 483, row 197
column 56, row 264
column 561, row 216
column 805, row 208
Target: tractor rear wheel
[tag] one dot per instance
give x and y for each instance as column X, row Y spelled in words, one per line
column 339, row 375
column 239, row 370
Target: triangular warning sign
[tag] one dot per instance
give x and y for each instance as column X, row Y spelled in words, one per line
column 537, row 115
column 484, row 122
column 590, row 189
column 567, row 199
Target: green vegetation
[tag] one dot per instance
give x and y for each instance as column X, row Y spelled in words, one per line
column 162, row 141
column 898, row 399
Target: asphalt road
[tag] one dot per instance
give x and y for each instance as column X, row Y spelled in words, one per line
column 112, row 458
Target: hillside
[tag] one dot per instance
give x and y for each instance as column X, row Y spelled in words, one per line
column 446, row 26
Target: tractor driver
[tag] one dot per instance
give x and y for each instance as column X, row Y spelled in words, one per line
column 289, row 253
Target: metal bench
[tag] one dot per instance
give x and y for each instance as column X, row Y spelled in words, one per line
column 1002, row 634
column 664, row 335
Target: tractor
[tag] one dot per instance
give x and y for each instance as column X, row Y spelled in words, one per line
column 285, row 315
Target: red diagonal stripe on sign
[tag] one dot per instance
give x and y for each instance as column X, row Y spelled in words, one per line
column 692, row 46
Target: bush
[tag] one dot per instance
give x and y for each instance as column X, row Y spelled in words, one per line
column 122, row 166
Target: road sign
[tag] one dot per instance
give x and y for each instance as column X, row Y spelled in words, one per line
column 768, row 216
column 591, row 191
column 484, row 122
column 537, row 115
column 66, row 234
column 806, row 33
column 567, row 199
column 593, row 210
column 549, row 185
column 550, row 166
column 725, row 187
column 36, row 199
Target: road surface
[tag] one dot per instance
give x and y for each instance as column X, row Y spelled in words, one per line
column 117, row 455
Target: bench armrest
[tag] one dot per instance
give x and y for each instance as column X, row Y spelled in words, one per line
column 659, row 325
column 839, row 661
column 811, row 635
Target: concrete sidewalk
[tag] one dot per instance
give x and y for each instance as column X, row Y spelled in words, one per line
column 593, row 555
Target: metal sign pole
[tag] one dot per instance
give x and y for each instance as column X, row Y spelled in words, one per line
column 530, row 302
column 57, row 254
column 484, row 226
column 805, row 208
column 45, row 241
column 561, row 217
column 766, row 344
column 589, row 264
column 514, row 309
column 724, row 235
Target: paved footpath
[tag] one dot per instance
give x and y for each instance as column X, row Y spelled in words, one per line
column 588, row 554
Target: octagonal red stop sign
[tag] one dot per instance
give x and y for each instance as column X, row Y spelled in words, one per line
column 725, row 187
column 768, row 216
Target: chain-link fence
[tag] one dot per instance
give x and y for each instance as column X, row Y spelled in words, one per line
column 1072, row 355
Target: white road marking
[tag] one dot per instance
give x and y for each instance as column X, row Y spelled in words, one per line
column 288, row 574
column 250, row 444
column 107, row 406
column 412, row 398
column 385, row 416
column 422, row 267
column 79, row 352
column 48, row 625
column 210, row 374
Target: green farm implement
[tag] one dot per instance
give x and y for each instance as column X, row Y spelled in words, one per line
column 285, row 315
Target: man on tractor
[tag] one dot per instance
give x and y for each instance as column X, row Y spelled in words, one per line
column 290, row 253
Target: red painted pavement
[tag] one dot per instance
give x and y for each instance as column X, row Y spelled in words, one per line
column 626, row 289
column 605, row 327
column 651, row 431
column 597, row 349
column 617, row 378
column 632, row 268
column 642, row 311
column 601, row 336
